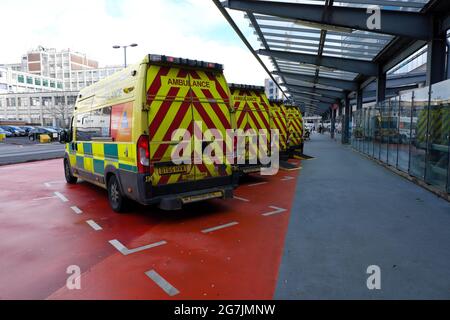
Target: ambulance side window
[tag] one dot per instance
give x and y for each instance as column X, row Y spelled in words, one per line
column 94, row 124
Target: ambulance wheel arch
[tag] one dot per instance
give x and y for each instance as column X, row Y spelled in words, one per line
column 68, row 174
column 116, row 195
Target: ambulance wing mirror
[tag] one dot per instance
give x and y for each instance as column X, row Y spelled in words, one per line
column 66, row 135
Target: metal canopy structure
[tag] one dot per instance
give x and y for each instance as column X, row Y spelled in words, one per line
column 324, row 51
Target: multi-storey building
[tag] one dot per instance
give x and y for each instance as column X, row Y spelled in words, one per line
column 42, row 88
column 74, row 69
column 45, row 108
column 271, row 89
column 13, row 81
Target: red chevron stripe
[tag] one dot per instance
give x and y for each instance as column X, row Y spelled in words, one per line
column 156, row 85
column 217, row 109
column 163, row 179
column 184, row 109
column 204, row 115
column 162, row 111
column 241, row 119
column 221, row 90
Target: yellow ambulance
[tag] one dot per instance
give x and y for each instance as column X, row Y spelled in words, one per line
column 279, row 122
column 295, row 128
column 251, row 111
column 121, row 133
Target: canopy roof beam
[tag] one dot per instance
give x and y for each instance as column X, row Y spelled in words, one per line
column 397, row 23
column 345, row 64
column 335, row 83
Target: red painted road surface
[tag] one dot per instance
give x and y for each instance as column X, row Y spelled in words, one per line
column 41, row 235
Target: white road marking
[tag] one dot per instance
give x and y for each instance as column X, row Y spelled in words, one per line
column 48, row 184
column 223, row 226
column 257, row 184
column 57, row 181
column 44, row 198
column 94, row 225
column 242, row 199
column 76, row 210
column 61, row 197
column 125, row 251
column 277, row 210
column 287, row 178
column 162, row 283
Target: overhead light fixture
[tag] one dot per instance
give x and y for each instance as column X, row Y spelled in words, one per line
column 321, row 26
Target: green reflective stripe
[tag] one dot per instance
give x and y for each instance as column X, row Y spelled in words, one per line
column 99, row 166
column 127, row 167
column 80, row 162
column 87, row 147
column 111, row 151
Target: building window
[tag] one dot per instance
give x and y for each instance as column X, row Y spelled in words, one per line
column 71, row 100
column 45, row 83
column 37, row 82
column 21, row 78
column 29, row 80
column 52, row 84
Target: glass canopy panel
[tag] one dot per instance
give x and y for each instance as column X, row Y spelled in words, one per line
column 295, row 36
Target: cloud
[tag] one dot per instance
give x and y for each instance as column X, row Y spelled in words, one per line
column 190, row 28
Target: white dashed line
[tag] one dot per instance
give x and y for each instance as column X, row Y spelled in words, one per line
column 44, row 198
column 94, row 225
column 257, row 184
column 61, row 197
column 162, row 283
column 287, row 178
column 76, row 210
column 48, row 184
column 125, row 251
column 277, row 210
column 242, row 199
column 223, row 226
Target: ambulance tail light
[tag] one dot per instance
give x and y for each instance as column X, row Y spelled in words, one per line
column 143, row 154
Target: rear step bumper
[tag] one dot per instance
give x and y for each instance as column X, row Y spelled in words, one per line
column 251, row 168
column 176, row 202
column 173, row 196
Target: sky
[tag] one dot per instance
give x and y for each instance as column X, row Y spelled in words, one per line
column 183, row 28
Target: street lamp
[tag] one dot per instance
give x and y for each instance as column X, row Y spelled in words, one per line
column 125, row 50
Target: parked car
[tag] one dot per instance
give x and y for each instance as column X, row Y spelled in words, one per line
column 57, row 129
column 27, row 129
column 34, row 134
column 20, row 131
column 15, row 132
column 6, row 133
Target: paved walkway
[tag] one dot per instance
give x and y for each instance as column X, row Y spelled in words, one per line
column 350, row 213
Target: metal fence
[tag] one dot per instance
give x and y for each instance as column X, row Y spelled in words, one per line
column 410, row 132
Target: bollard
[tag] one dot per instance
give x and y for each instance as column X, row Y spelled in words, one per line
column 44, row 138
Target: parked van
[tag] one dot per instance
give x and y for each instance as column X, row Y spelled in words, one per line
column 121, row 133
column 279, row 122
column 295, row 125
column 251, row 112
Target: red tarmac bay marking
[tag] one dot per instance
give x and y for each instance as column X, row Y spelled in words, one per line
column 40, row 239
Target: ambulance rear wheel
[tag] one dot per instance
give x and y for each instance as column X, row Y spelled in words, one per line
column 116, row 199
column 68, row 174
